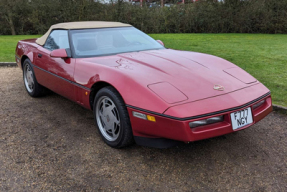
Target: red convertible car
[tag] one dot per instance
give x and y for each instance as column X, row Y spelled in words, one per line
column 138, row 89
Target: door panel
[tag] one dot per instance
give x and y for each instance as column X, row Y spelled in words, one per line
column 55, row 73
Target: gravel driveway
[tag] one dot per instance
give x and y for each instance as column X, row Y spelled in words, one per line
column 51, row 144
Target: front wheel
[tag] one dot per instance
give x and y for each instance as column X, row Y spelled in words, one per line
column 112, row 118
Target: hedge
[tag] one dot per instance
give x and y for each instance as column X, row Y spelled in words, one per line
column 204, row 16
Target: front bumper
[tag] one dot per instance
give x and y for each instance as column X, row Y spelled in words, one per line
column 178, row 128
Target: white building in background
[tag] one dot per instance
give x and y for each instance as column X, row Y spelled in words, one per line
column 109, row 1
column 150, row 1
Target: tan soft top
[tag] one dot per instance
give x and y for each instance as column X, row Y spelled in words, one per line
column 80, row 25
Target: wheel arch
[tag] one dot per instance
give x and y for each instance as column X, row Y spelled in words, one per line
column 23, row 58
column 96, row 88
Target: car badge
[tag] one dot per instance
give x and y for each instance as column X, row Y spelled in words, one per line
column 218, row 87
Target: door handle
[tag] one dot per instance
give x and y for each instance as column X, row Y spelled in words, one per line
column 39, row 55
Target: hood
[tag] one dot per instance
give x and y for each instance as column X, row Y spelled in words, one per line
column 179, row 76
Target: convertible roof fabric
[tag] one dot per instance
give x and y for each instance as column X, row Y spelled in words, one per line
column 80, row 25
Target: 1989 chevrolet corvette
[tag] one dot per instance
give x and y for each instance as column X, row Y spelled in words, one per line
column 138, row 89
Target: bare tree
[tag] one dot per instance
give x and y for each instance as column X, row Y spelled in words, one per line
column 7, row 13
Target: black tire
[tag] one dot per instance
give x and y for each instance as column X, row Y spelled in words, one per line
column 37, row 90
column 125, row 135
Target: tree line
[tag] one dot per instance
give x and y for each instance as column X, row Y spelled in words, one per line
column 204, row 16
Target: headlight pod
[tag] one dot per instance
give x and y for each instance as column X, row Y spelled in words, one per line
column 167, row 92
column 240, row 74
column 206, row 121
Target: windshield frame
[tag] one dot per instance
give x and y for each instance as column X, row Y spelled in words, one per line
column 74, row 55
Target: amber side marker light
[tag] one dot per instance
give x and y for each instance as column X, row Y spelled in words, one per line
column 150, row 118
column 144, row 116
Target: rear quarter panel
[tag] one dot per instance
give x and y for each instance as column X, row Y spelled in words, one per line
column 25, row 49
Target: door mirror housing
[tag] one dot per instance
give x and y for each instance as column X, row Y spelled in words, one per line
column 60, row 53
column 160, row 42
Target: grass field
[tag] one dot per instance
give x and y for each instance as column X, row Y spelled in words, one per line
column 263, row 56
column 8, row 45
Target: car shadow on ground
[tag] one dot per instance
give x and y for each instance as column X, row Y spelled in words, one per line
column 239, row 147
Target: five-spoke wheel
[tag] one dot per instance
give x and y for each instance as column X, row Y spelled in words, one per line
column 108, row 118
column 33, row 88
column 28, row 78
column 112, row 118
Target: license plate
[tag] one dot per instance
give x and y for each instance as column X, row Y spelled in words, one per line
column 241, row 118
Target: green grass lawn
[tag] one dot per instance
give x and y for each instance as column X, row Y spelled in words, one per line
column 263, row 56
column 8, row 45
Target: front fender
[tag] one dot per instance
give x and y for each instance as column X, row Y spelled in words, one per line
column 133, row 91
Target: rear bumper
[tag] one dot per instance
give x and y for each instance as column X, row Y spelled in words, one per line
column 178, row 129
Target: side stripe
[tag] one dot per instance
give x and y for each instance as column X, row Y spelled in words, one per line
column 88, row 89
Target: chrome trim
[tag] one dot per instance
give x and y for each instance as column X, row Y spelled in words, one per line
column 18, row 57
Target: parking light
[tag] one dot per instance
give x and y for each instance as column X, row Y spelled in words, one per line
column 258, row 104
column 206, row 121
column 143, row 116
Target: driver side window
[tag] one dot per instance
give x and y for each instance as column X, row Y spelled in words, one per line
column 58, row 39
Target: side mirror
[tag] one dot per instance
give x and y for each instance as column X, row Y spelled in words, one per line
column 160, row 42
column 59, row 53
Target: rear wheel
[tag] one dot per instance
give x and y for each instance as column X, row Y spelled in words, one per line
column 112, row 118
column 33, row 88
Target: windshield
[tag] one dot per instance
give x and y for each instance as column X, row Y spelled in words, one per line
column 109, row 41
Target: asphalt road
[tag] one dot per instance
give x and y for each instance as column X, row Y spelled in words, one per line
column 51, row 144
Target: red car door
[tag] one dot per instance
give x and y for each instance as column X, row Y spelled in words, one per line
column 55, row 73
